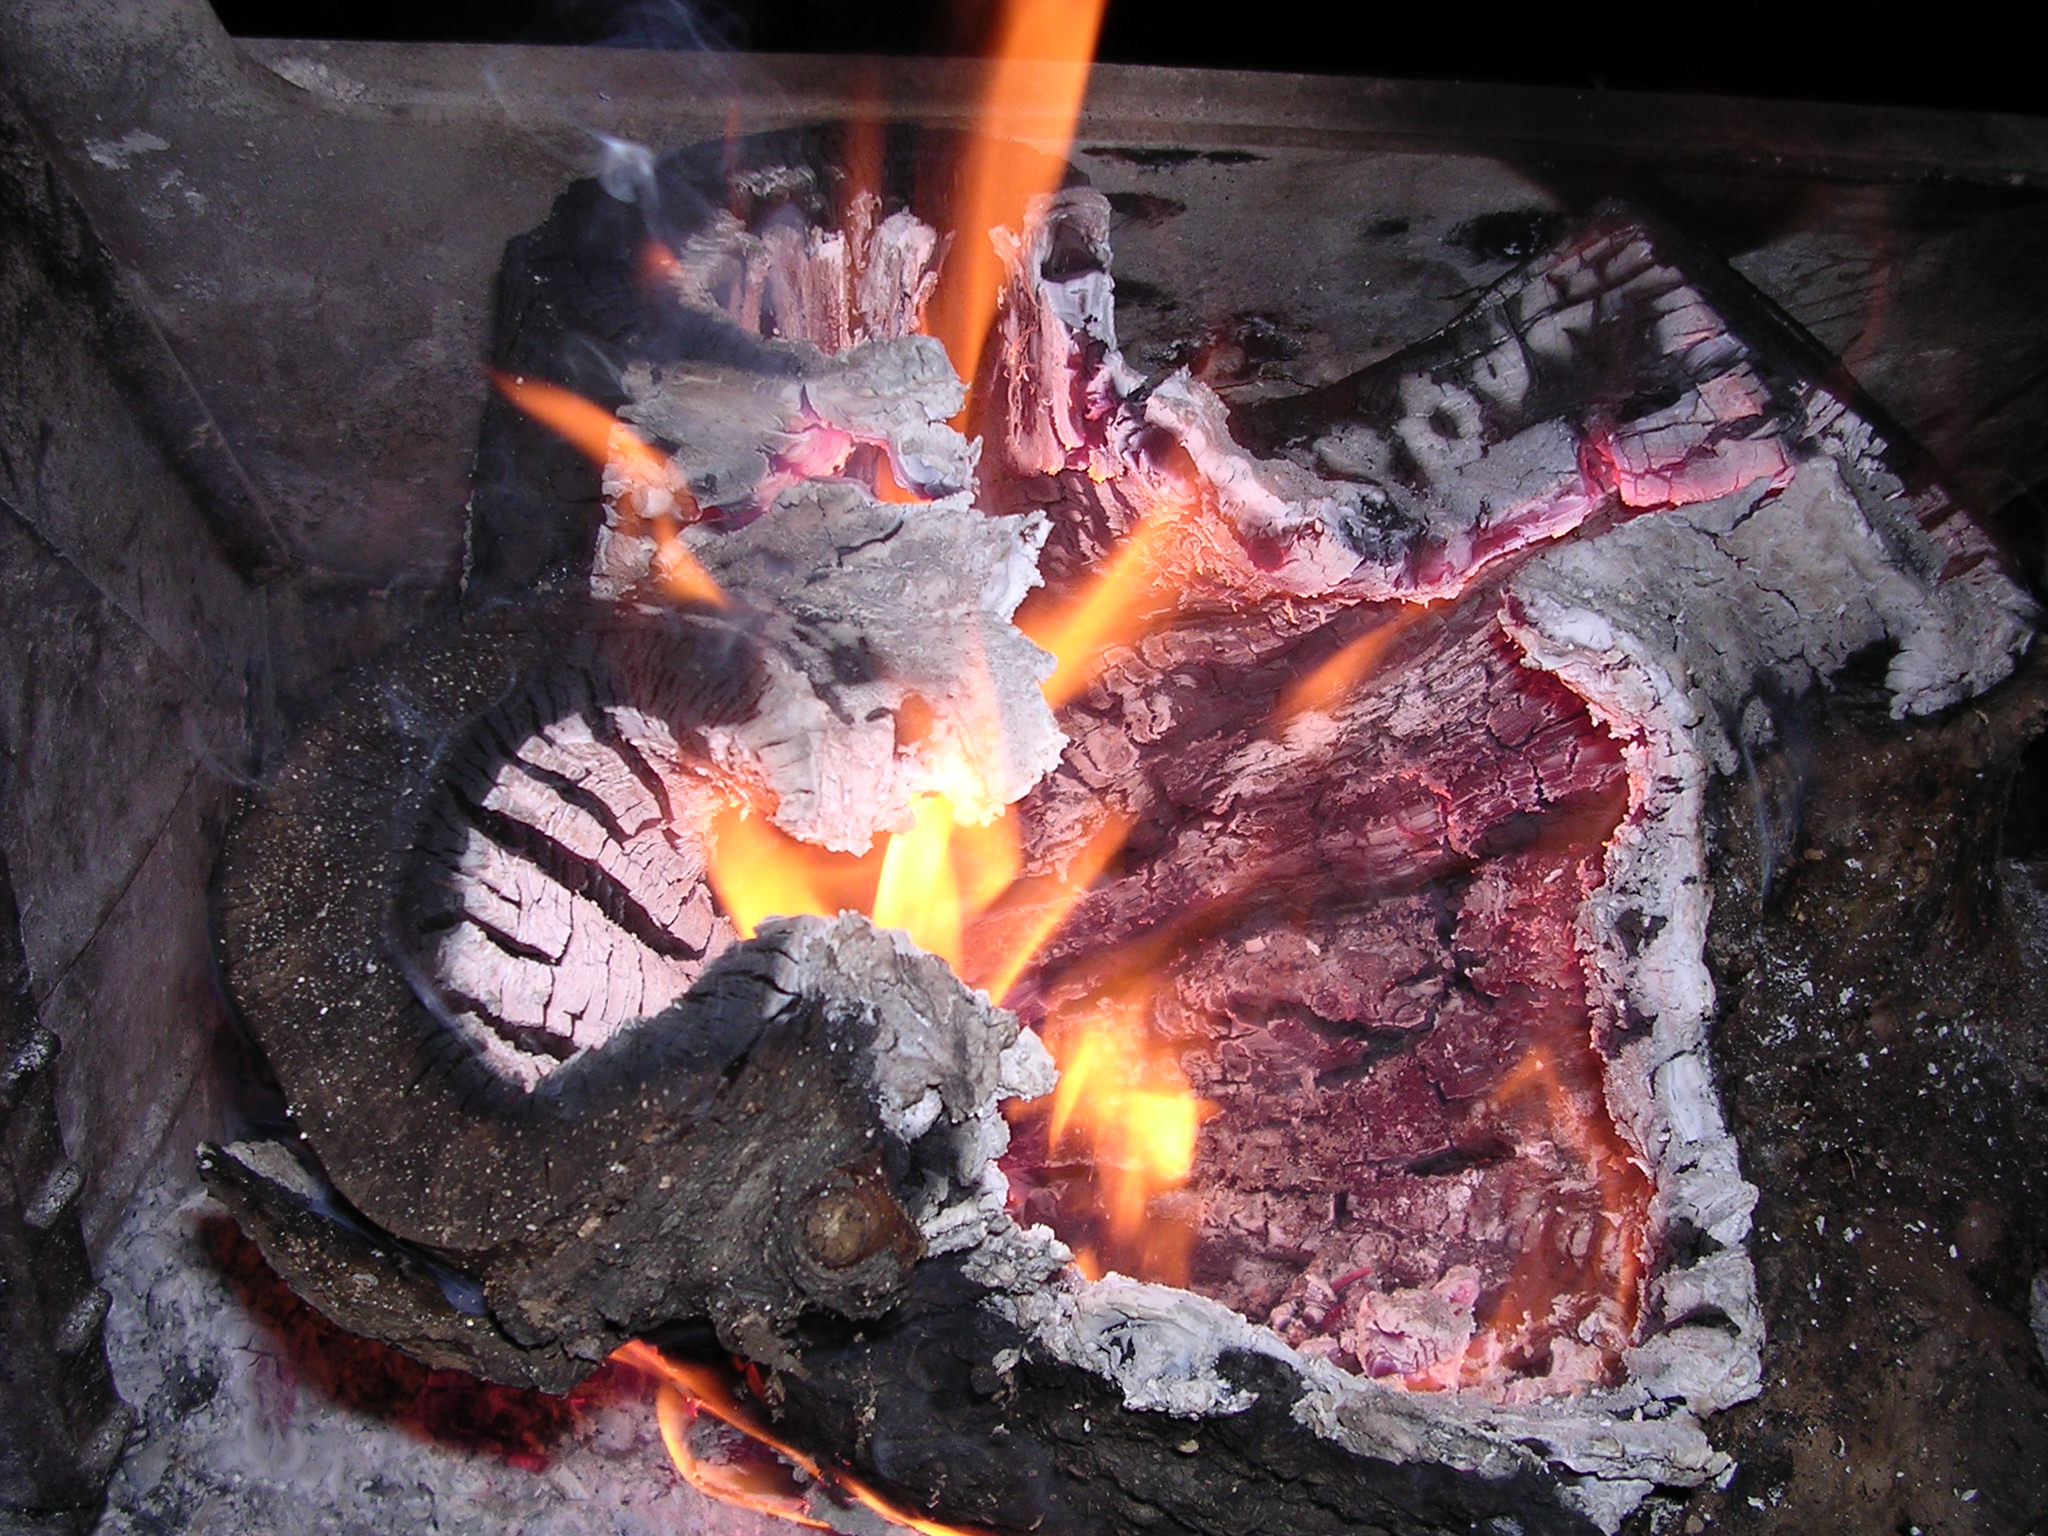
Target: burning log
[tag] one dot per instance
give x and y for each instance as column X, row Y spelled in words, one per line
column 1371, row 827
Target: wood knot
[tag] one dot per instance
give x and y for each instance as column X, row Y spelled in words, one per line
column 852, row 1217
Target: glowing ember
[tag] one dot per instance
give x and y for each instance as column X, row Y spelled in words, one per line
column 1567, row 1105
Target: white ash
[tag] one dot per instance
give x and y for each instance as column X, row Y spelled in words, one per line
column 738, row 436
column 1276, row 498
column 832, row 288
column 940, row 1061
column 532, row 970
column 874, row 616
column 1047, row 408
column 1801, row 580
column 1972, row 622
column 235, row 1440
column 894, row 669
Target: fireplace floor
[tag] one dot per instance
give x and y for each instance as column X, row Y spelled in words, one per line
column 259, row 1418
column 1886, row 1085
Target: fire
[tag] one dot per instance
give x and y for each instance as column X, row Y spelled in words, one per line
column 1019, row 927
column 685, row 1391
column 758, row 872
column 1334, row 681
column 655, row 499
column 930, row 881
column 1123, row 1095
column 1616, row 1257
column 1112, row 608
column 1038, row 72
column 919, row 888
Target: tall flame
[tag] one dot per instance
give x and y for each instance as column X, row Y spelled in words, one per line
column 1038, row 73
column 655, row 500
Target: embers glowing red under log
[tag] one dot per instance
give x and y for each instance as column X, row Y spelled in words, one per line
column 1360, row 929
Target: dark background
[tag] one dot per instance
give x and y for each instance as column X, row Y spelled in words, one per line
column 1848, row 51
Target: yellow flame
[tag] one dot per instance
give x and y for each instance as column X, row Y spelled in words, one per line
column 1124, row 1092
column 650, row 479
column 758, row 872
column 1038, row 73
column 918, row 890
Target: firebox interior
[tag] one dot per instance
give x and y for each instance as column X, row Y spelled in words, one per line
column 225, row 492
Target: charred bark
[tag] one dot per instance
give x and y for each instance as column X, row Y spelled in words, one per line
column 640, row 1183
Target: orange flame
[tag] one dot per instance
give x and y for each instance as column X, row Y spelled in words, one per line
column 651, row 480
column 758, row 871
column 1124, row 1093
column 767, row 1488
column 1032, row 911
column 1335, row 680
column 929, row 881
column 1624, row 1199
column 685, row 1390
column 1110, row 609
column 1038, row 72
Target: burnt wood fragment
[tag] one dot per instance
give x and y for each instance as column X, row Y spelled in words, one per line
column 642, row 1182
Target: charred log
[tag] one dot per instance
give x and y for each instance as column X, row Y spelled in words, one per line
column 553, row 1224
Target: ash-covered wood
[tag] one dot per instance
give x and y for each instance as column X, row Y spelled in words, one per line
column 522, row 1204
column 1429, row 937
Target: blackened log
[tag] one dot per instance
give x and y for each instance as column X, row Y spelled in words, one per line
column 636, row 1184
column 947, row 1400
